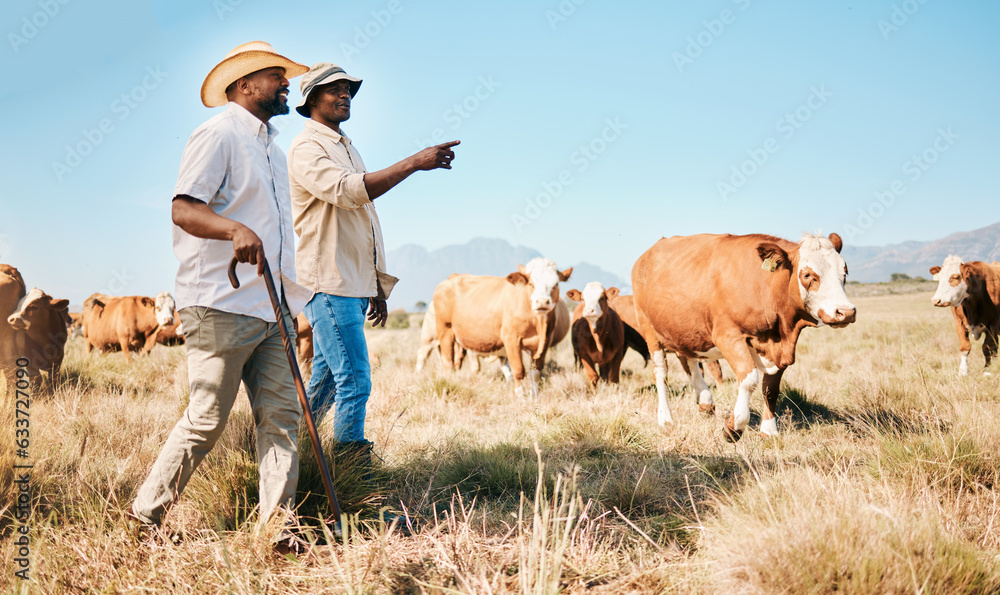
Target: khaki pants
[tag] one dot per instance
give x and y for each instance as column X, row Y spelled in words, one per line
column 222, row 349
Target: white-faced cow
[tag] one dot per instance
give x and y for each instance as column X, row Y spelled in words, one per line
column 429, row 341
column 744, row 298
column 598, row 333
column 43, row 321
column 515, row 314
column 128, row 323
column 972, row 291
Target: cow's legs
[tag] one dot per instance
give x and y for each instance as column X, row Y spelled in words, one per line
column 963, row 366
column 663, row 416
column 964, row 344
column 124, row 341
column 150, row 342
column 615, row 368
column 460, row 353
column 770, row 387
column 989, row 347
column 535, row 373
column 475, row 362
column 508, row 375
column 446, row 343
column 512, row 344
column 589, row 369
column 738, row 354
column 705, row 403
column 423, row 352
column 715, row 367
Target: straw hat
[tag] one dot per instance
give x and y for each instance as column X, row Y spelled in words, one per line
column 243, row 60
column 323, row 73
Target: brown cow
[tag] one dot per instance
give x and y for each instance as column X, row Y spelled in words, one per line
column 172, row 334
column 972, row 290
column 43, row 322
column 513, row 314
column 429, row 342
column 128, row 323
column 11, row 342
column 303, row 341
column 598, row 332
column 744, row 298
column 75, row 328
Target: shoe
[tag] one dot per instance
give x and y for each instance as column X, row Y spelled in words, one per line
column 140, row 528
column 289, row 543
column 357, row 457
column 145, row 530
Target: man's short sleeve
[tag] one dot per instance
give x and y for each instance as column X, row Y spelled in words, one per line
column 204, row 165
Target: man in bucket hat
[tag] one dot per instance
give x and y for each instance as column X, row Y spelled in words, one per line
column 340, row 254
column 231, row 199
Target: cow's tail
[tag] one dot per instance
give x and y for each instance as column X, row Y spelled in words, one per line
column 634, row 340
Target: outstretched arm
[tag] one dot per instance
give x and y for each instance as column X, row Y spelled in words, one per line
column 438, row 157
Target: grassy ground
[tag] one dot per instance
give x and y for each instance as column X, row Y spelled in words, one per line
column 884, row 479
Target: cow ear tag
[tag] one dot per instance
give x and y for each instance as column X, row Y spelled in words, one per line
column 770, row 264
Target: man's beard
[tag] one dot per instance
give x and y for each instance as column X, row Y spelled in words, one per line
column 273, row 106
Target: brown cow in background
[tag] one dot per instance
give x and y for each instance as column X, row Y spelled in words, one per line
column 513, row 314
column 128, row 323
column 43, row 322
column 598, row 333
column 972, row 291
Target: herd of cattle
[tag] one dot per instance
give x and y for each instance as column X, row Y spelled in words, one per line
column 704, row 298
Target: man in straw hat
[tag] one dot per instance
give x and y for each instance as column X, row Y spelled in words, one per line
column 231, row 199
column 341, row 255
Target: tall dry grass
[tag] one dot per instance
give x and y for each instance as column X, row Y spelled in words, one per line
column 884, row 480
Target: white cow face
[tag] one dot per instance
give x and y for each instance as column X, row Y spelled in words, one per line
column 952, row 288
column 164, row 308
column 544, row 278
column 822, row 273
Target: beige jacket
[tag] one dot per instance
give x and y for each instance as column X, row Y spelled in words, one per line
column 340, row 240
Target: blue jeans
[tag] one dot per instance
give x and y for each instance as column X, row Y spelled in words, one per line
column 341, row 375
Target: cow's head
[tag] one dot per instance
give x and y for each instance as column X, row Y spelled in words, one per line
column 543, row 277
column 35, row 308
column 164, row 308
column 595, row 300
column 821, row 275
column 952, row 286
column 11, row 288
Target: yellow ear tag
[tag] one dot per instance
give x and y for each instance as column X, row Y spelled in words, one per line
column 769, row 264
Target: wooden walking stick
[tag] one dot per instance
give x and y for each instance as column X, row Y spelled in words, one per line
column 299, row 387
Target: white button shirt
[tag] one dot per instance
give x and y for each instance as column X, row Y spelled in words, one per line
column 231, row 163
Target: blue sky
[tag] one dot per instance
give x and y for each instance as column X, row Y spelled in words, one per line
column 589, row 129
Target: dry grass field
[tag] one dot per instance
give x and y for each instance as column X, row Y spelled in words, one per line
column 884, row 479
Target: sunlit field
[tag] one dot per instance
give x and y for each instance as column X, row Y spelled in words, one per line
column 884, row 479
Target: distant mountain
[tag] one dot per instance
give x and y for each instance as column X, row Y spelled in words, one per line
column 420, row 270
column 870, row 264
